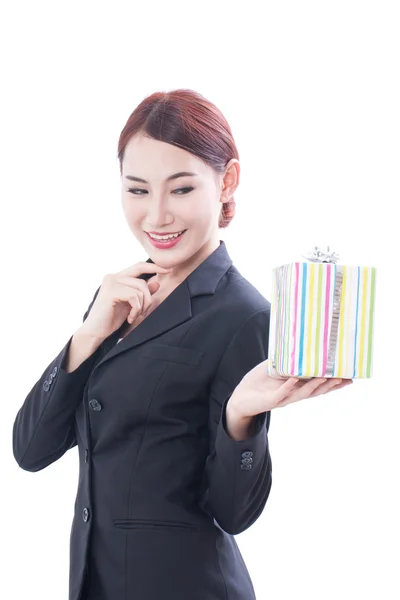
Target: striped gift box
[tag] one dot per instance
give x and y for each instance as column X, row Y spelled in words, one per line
column 322, row 318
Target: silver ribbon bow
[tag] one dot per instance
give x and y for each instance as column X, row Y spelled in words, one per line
column 322, row 255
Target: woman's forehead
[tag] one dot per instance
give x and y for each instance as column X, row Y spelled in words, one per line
column 152, row 159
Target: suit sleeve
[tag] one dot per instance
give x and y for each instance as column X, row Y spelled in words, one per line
column 238, row 473
column 44, row 428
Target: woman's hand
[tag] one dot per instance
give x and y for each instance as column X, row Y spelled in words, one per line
column 258, row 392
column 122, row 296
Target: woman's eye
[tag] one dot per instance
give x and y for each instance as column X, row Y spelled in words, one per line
column 134, row 190
column 184, row 190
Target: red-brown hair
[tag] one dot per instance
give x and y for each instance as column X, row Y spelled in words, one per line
column 186, row 119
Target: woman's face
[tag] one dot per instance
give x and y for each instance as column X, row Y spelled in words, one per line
column 189, row 203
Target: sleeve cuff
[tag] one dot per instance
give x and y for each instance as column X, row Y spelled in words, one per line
column 84, row 368
column 257, row 441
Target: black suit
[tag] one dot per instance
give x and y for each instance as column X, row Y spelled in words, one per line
column 162, row 486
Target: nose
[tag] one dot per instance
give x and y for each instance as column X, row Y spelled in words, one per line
column 158, row 212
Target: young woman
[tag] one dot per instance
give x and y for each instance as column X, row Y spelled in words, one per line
column 163, row 387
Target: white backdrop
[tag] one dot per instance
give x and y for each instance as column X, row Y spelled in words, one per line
column 311, row 91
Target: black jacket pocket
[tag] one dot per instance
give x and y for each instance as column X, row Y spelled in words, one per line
column 186, row 356
column 152, row 524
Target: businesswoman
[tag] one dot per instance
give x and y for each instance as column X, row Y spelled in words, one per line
column 163, row 388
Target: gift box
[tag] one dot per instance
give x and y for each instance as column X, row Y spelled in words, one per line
column 322, row 318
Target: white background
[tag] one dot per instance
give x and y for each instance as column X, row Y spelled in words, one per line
column 311, row 91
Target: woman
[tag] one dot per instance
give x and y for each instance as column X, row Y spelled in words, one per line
column 163, row 387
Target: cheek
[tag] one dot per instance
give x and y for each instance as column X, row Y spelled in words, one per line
column 202, row 208
column 197, row 217
column 132, row 212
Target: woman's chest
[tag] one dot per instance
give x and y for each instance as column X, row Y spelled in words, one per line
column 162, row 383
column 158, row 376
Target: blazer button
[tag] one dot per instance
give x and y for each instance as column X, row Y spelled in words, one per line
column 85, row 515
column 247, row 454
column 245, row 467
column 54, row 373
column 247, row 461
column 46, row 386
column 95, row 404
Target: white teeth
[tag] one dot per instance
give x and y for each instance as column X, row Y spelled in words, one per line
column 165, row 237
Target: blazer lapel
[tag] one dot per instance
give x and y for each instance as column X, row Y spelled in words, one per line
column 175, row 309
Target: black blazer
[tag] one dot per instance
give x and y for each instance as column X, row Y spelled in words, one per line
column 162, row 486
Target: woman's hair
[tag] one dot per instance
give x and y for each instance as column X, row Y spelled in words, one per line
column 185, row 119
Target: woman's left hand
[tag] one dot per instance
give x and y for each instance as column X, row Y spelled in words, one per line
column 258, row 392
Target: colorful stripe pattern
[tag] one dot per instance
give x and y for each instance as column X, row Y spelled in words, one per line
column 322, row 320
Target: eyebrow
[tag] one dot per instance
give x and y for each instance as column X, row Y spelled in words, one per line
column 170, row 178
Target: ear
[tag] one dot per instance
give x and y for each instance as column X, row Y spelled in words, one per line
column 230, row 180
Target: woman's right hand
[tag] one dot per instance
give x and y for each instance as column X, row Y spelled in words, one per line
column 122, row 296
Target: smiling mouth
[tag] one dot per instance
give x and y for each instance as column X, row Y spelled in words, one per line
column 166, row 237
